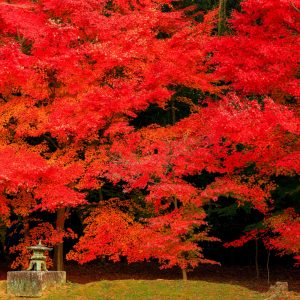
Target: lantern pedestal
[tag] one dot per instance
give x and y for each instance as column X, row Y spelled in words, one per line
column 33, row 283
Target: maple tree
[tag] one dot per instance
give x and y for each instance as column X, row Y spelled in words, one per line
column 257, row 60
column 72, row 75
column 230, row 136
column 171, row 238
column 75, row 74
column 210, row 141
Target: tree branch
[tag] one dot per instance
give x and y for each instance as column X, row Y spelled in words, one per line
column 51, row 141
column 295, row 7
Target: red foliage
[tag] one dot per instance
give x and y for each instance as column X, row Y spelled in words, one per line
column 210, row 140
column 74, row 73
column 261, row 57
column 112, row 233
column 109, row 232
column 286, row 232
column 113, row 52
column 33, row 184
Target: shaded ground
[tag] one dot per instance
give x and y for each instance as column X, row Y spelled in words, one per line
column 240, row 275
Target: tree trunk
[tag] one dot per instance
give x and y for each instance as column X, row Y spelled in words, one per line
column 26, row 234
column 26, row 228
column 175, row 203
column 268, row 268
column 184, row 274
column 256, row 259
column 100, row 195
column 58, row 261
column 222, row 17
column 173, row 112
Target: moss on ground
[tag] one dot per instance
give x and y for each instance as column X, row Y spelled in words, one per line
column 146, row 289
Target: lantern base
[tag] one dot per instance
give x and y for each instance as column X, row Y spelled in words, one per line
column 33, row 283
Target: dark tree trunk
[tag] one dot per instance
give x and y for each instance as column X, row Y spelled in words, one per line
column 58, row 261
column 268, row 266
column 184, row 274
column 173, row 112
column 256, row 259
column 222, row 17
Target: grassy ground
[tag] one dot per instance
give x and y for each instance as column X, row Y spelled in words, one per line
column 147, row 282
column 146, row 290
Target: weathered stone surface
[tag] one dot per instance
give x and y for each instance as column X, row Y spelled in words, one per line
column 278, row 291
column 280, row 286
column 33, row 283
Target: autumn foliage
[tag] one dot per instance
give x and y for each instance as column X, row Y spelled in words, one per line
column 76, row 75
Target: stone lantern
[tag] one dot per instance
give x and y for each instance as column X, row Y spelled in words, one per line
column 38, row 259
column 33, row 281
